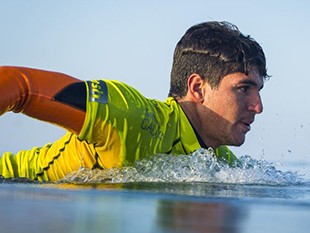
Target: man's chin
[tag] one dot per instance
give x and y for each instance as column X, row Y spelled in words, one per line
column 238, row 141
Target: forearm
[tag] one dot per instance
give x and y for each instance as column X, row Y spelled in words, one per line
column 24, row 164
column 34, row 93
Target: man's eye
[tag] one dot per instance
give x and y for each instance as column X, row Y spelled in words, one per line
column 244, row 89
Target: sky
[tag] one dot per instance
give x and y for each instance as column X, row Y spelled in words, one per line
column 133, row 41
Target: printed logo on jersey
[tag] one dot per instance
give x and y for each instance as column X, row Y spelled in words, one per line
column 151, row 125
column 98, row 91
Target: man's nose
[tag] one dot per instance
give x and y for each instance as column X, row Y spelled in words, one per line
column 256, row 104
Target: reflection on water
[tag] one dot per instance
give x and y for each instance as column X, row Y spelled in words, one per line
column 297, row 193
column 50, row 210
column 153, row 207
column 217, row 217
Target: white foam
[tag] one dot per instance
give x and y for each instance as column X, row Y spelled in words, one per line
column 201, row 166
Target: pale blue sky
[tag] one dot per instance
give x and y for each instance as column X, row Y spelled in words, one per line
column 133, row 41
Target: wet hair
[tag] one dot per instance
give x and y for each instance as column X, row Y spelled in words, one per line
column 214, row 50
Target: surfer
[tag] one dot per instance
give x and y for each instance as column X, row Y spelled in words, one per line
column 216, row 78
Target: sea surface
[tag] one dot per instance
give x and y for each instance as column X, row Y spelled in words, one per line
column 162, row 193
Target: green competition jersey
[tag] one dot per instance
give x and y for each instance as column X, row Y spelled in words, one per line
column 121, row 126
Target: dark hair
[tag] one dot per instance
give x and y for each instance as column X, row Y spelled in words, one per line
column 214, row 50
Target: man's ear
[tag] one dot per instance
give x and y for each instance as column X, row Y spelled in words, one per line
column 195, row 88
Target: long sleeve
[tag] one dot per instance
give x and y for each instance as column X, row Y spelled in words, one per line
column 34, row 92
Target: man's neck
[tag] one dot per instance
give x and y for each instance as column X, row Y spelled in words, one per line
column 189, row 109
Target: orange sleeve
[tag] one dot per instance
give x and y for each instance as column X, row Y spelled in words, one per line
column 33, row 91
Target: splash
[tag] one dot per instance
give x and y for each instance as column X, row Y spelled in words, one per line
column 201, row 166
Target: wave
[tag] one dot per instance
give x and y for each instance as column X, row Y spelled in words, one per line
column 201, row 166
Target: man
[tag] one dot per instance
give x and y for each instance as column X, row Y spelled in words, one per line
column 214, row 96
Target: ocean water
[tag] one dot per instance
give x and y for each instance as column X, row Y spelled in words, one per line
column 162, row 193
column 201, row 166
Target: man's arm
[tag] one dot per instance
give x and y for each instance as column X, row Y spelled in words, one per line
column 48, row 96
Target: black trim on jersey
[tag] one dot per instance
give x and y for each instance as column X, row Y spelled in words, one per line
column 202, row 144
column 73, row 95
column 176, row 141
column 54, row 158
column 97, row 165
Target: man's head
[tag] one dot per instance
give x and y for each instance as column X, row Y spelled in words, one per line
column 213, row 50
column 216, row 77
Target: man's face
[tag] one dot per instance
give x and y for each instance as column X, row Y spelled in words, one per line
column 227, row 112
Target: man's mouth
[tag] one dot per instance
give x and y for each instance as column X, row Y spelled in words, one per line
column 246, row 125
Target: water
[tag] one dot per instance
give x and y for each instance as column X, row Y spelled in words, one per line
column 162, row 193
column 201, row 166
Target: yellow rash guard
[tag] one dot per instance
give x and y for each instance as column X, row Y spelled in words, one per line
column 121, row 126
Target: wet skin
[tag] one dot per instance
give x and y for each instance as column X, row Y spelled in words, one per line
column 223, row 115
